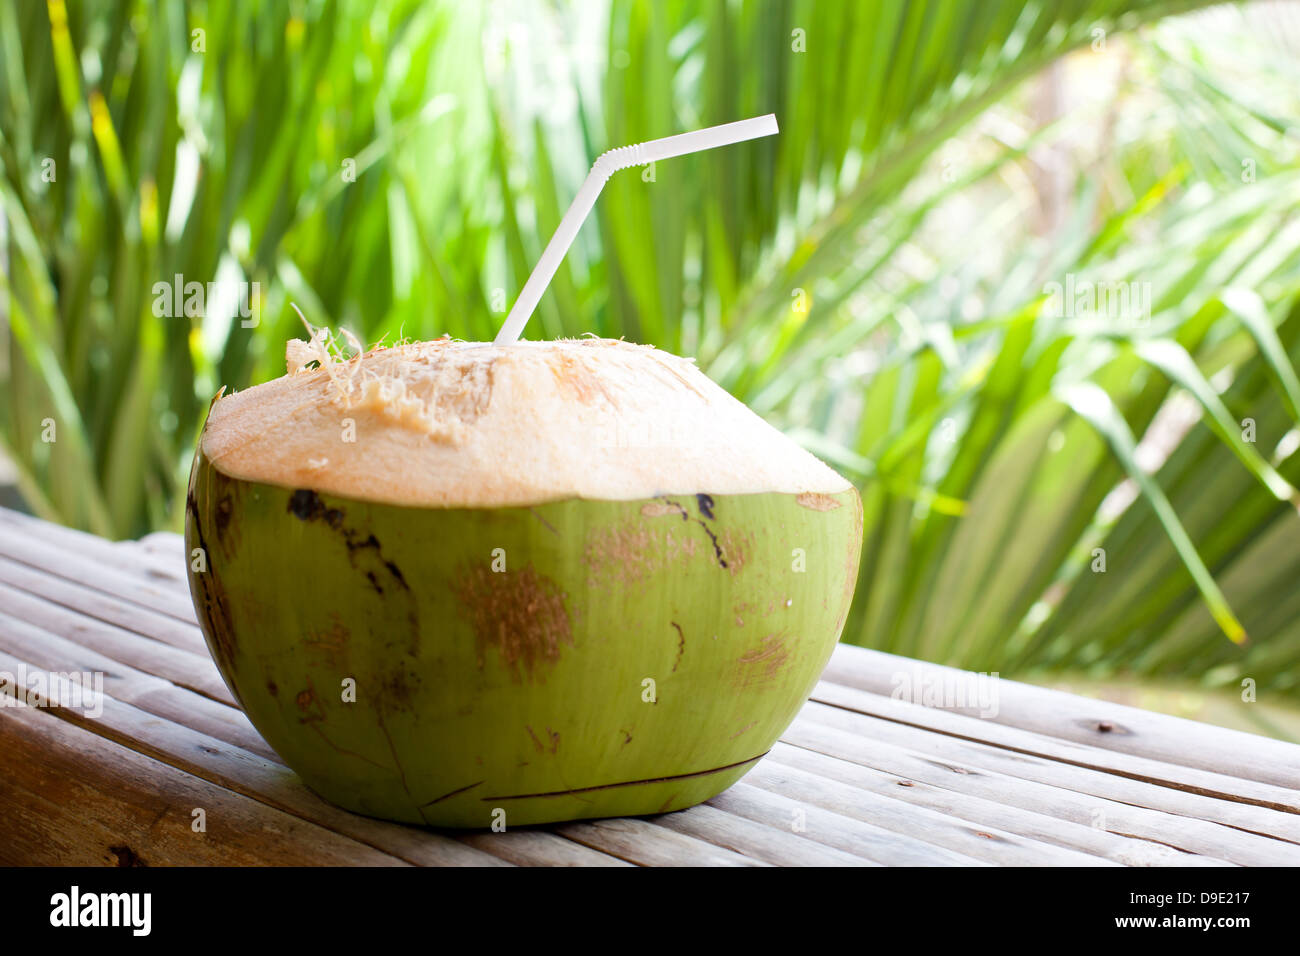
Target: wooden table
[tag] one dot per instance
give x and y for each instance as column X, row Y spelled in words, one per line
column 862, row 777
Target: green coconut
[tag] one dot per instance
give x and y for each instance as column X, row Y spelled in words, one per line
column 464, row 585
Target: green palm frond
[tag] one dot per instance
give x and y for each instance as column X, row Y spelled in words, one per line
column 875, row 280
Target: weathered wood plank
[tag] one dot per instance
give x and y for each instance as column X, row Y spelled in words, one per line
column 1148, row 830
column 991, row 844
column 96, row 565
column 537, row 847
column 160, row 697
column 861, row 838
column 642, row 842
column 118, row 644
column 160, row 555
column 72, row 539
column 754, row 839
column 168, row 545
column 1175, row 775
column 103, row 607
column 1082, row 720
column 1189, row 821
column 69, row 797
column 984, row 812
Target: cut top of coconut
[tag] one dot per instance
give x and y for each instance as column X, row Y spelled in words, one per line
column 466, row 424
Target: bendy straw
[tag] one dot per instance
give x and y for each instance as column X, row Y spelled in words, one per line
column 605, row 166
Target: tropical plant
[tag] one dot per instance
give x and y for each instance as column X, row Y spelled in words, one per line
column 396, row 168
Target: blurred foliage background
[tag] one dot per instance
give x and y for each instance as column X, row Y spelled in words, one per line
column 1051, row 486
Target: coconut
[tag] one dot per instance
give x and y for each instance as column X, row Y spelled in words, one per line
column 462, row 585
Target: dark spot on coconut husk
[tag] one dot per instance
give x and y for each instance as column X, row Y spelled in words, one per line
column 520, row 614
column 706, row 505
column 210, row 597
column 681, row 644
column 305, row 505
column 222, row 518
column 272, row 688
column 717, row 548
column 371, row 541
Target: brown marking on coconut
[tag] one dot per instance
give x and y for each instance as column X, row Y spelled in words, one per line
column 735, row 547
column 817, row 502
column 742, row 730
column 211, row 596
column 520, row 614
column 536, row 743
column 454, row 793
column 221, row 520
column 620, row 554
column 657, row 509
column 329, row 643
column 763, row 663
column 315, row 727
column 365, row 554
column 309, row 705
column 629, row 553
column 681, row 645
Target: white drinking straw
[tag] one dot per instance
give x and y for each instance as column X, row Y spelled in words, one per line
column 609, row 163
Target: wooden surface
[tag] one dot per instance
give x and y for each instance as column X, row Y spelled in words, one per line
column 862, row 777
